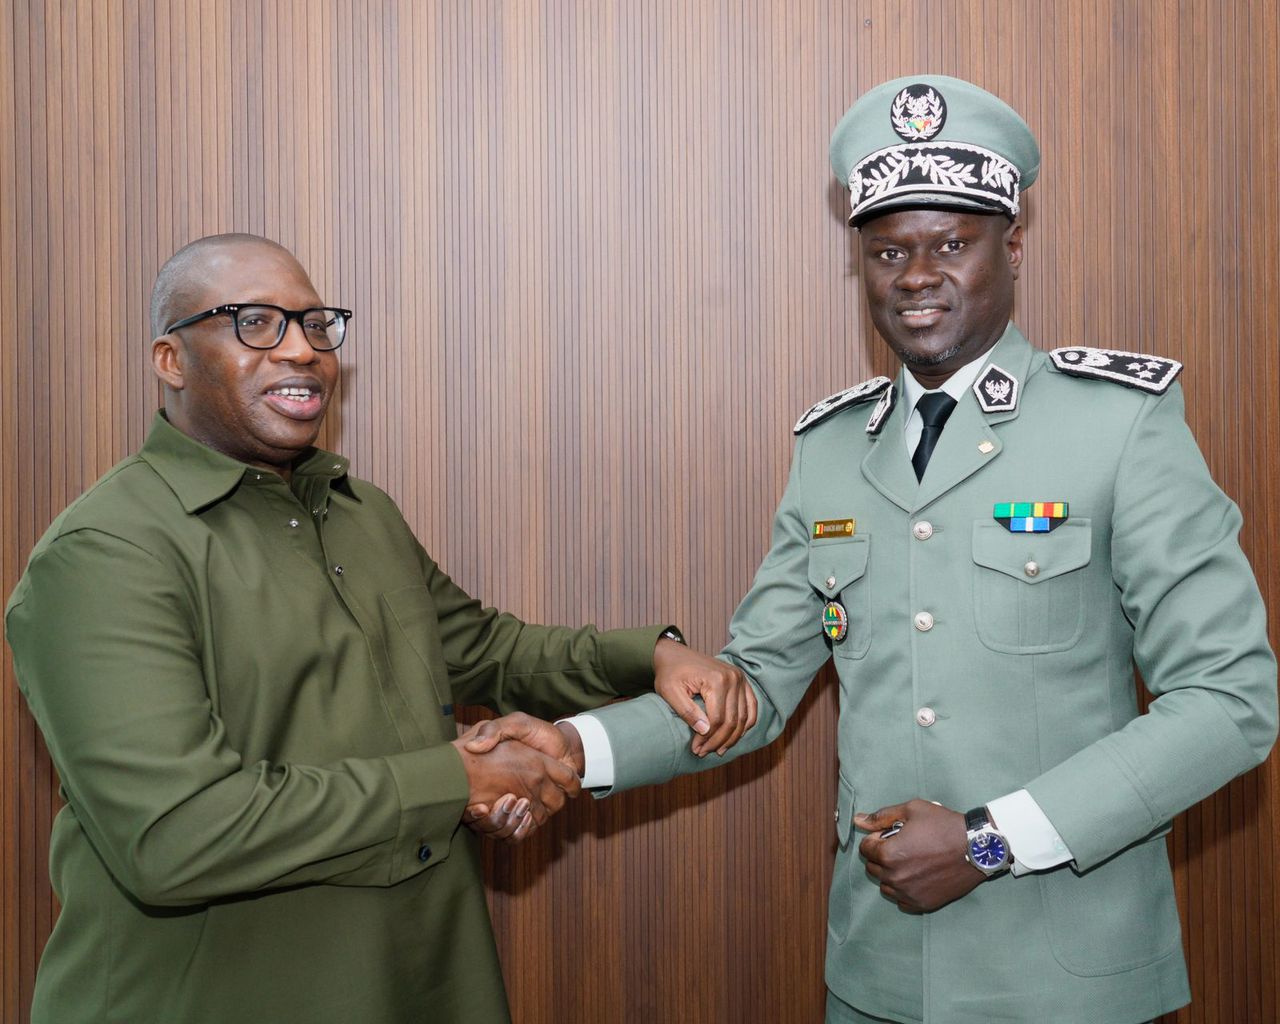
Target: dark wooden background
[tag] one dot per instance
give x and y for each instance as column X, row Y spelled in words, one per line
column 599, row 268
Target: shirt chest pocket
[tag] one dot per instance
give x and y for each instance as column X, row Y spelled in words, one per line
column 1028, row 588
column 414, row 650
column 837, row 571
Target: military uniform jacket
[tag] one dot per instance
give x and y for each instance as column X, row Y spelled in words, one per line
column 979, row 661
column 247, row 687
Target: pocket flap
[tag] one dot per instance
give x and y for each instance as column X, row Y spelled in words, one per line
column 844, row 812
column 834, row 564
column 1032, row 557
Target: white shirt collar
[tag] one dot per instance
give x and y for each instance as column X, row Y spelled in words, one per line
column 957, row 384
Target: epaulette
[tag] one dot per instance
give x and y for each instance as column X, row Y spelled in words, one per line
column 1132, row 369
column 841, row 400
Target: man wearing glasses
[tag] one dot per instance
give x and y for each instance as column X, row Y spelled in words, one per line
column 245, row 669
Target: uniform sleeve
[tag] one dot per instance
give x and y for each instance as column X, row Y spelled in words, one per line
column 507, row 665
column 775, row 637
column 1200, row 642
column 108, row 654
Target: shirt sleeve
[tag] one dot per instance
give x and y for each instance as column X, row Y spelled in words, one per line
column 498, row 661
column 776, row 639
column 1199, row 640
column 597, row 752
column 1033, row 841
column 107, row 648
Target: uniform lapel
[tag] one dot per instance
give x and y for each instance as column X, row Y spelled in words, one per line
column 968, row 443
column 887, row 467
column 970, row 439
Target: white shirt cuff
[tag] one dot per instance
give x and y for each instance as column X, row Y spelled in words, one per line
column 597, row 751
column 1033, row 841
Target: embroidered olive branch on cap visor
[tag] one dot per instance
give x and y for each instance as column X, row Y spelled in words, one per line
column 931, row 140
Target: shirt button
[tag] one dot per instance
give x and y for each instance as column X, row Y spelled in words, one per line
column 1032, row 569
column 922, row 530
column 926, row 717
column 923, row 621
column 293, row 524
column 424, row 853
column 337, row 570
column 831, row 583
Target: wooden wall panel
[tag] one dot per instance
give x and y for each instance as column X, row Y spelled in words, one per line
column 599, row 267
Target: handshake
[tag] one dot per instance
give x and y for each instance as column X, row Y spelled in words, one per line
column 521, row 769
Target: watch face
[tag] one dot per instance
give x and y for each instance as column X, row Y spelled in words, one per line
column 988, row 850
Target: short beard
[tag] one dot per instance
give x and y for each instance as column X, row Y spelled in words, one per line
column 910, row 359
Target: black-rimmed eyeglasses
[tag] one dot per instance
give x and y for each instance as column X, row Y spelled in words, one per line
column 261, row 326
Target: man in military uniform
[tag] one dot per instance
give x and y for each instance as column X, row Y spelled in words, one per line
column 986, row 545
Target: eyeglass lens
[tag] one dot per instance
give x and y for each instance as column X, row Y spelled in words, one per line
column 264, row 326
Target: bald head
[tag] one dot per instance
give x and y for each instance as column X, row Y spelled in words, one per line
column 185, row 274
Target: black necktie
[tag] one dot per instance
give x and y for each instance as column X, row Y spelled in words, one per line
column 935, row 407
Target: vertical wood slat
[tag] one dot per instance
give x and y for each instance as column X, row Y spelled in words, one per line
column 598, row 267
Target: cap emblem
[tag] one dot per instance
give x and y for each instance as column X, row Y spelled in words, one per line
column 918, row 112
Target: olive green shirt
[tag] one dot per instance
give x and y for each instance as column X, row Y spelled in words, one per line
column 247, row 687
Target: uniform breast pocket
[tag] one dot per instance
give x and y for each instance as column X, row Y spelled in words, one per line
column 837, row 571
column 1028, row 588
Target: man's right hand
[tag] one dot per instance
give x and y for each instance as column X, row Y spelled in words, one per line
column 560, row 740
column 519, row 770
column 509, row 819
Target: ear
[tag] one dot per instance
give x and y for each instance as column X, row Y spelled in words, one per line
column 1013, row 245
column 167, row 357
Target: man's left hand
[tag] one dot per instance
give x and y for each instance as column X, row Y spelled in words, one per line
column 729, row 704
column 922, row 867
column 508, row 821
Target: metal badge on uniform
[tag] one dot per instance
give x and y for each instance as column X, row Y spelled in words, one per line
column 1030, row 516
column 835, row 621
column 996, row 390
column 883, row 407
column 825, row 528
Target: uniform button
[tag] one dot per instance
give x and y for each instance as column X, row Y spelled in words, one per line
column 922, row 530
column 293, row 524
column 837, row 815
column 923, row 621
column 926, row 717
column 831, row 583
column 424, row 853
column 1032, row 569
column 337, row 570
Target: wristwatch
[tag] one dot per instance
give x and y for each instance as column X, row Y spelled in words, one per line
column 671, row 633
column 988, row 850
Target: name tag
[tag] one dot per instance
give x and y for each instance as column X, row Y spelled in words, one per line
column 825, row 528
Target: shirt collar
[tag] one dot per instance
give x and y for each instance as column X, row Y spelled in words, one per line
column 956, row 385
column 200, row 476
